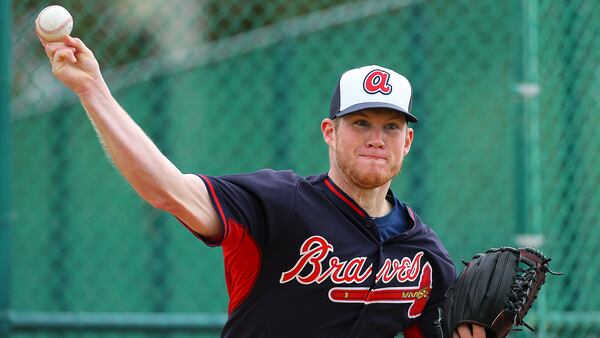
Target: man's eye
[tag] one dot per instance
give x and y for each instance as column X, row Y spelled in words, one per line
column 362, row 123
column 391, row 126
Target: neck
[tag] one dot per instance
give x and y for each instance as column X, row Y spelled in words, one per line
column 372, row 200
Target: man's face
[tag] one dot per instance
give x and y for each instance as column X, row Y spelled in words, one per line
column 368, row 147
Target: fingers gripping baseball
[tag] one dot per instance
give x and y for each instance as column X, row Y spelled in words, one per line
column 73, row 63
column 63, row 55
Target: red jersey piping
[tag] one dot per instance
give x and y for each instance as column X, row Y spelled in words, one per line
column 343, row 198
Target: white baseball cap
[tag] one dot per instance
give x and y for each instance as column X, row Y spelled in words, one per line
column 371, row 87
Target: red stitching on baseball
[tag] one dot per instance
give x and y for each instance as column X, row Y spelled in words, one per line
column 68, row 21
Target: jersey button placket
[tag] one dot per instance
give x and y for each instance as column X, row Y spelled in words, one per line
column 377, row 264
column 372, row 226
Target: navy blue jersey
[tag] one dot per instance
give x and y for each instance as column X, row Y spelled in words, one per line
column 302, row 259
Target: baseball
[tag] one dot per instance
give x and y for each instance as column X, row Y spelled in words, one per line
column 54, row 23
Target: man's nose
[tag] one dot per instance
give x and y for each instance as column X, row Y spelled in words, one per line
column 376, row 139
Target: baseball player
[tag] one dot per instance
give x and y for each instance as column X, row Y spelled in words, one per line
column 331, row 255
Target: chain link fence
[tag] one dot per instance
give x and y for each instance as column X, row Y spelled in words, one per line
column 506, row 151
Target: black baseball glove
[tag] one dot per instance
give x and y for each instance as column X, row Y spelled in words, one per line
column 496, row 289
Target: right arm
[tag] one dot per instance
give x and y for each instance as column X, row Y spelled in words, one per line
column 147, row 170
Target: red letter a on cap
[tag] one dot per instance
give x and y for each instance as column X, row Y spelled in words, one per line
column 377, row 82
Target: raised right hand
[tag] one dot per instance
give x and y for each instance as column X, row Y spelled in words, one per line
column 72, row 63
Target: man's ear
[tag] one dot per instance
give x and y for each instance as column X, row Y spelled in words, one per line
column 328, row 131
column 410, row 135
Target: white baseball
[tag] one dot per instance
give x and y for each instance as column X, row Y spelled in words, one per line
column 54, row 23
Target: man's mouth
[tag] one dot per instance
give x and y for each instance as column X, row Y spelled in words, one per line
column 373, row 157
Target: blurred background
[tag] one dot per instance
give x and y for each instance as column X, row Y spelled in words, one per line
column 507, row 150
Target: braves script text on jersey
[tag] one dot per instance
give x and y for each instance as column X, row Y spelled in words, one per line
column 302, row 259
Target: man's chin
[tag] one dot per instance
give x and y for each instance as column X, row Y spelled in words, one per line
column 371, row 180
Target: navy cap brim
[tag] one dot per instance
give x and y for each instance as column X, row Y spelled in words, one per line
column 367, row 105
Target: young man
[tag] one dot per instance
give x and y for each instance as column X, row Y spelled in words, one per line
column 330, row 255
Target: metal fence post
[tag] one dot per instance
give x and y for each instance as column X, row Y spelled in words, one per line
column 5, row 190
column 529, row 185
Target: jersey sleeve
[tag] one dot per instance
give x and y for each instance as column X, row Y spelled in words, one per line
column 250, row 201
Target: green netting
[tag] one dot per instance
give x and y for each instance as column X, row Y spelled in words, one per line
column 507, row 93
